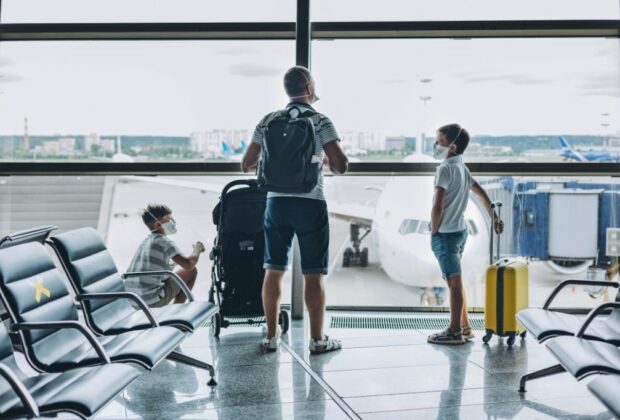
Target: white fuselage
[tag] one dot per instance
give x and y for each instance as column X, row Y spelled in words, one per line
column 407, row 257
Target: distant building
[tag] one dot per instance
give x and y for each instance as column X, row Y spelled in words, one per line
column 210, row 143
column 91, row 140
column 362, row 141
column 108, row 146
column 395, row 143
column 66, row 146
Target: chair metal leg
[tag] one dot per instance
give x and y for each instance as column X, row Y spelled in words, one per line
column 552, row 370
column 179, row 357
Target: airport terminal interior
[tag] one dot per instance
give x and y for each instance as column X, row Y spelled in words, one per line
column 111, row 109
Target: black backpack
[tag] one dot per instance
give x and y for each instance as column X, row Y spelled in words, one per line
column 289, row 144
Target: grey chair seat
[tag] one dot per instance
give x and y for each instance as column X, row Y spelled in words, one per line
column 543, row 324
column 582, row 357
column 60, row 352
column 82, row 391
column 117, row 318
column 606, row 389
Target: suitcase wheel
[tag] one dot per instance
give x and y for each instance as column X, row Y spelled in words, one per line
column 284, row 321
column 217, row 325
column 511, row 339
column 523, row 334
column 487, row 336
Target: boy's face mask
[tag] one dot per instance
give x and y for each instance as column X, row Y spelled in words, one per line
column 170, row 227
column 441, row 152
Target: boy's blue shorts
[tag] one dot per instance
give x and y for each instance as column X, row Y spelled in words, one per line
column 305, row 217
column 448, row 249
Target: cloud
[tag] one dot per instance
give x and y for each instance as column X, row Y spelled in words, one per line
column 8, row 78
column 515, row 78
column 605, row 84
column 254, row 70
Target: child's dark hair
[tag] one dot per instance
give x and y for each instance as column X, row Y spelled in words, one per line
column 457, row 135
column 152, row 212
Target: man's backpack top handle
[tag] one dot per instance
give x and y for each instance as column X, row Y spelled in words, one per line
column 289, row 144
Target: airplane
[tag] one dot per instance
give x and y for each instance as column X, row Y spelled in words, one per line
column 569, row 153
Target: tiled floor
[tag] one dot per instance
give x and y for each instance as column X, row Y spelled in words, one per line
column 380, row 374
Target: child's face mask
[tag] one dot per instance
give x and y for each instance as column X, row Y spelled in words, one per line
column 170, row 227
column 441, row 152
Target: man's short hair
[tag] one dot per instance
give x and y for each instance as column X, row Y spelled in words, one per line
column 296, row 80
column 457, row 135
column 152, row 212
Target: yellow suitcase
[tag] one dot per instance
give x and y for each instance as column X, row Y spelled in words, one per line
column 506, row 294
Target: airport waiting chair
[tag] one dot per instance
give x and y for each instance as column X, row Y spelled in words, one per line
column 107, row 306
column 606, row 389
column 38, row 234
column 544, row 323
column 579, row 355
column 48, row 394
column 92, row 272
column 43, row 314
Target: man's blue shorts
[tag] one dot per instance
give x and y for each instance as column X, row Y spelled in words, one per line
column 448, row 249
column 305, row 217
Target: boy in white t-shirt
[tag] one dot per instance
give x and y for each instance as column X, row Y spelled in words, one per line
column 453, row 182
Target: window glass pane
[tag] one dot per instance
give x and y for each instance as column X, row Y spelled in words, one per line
column 557, row 225
column 516, row 97
column 112, row 11
column 169, row 100
column 398, row 10
column 389, row 269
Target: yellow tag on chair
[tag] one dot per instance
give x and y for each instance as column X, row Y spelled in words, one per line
column 40, row 289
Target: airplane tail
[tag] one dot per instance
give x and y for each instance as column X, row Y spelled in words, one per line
column 570, row 153
column 565, row 144
column 244, row 146
column 226, row 148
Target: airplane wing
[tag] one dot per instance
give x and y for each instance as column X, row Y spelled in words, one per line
column 353, row 213
column 200, row 186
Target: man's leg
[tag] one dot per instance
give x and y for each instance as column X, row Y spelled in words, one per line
column 314, row 296
column 456, row 301
column 272, row 290
column 189, row 278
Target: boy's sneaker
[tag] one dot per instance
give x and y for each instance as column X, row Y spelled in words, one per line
column 269, row 345
column 467, row 332
column 325, row 345
column 447, row 337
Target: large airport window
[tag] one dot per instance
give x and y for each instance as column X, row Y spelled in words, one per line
column 459, row 10
column 371, row 263
column 94, row 11
column 137, row 101
column 522, row 100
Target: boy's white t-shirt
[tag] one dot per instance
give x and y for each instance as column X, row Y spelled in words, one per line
column 453, row 176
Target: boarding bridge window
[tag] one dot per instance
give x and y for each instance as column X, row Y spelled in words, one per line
column 424, row 228
column 408, row 226
column 412, row 83
column 137, row 101
column 113, row 11
column 472, row 230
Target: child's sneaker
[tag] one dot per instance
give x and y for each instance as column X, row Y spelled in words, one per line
column 269, row 345
column 447, row 337
column 324, row 345
column 468, row 332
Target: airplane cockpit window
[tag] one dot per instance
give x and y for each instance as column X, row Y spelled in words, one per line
column 408, row 226
column 424, row 227
column 472, row 230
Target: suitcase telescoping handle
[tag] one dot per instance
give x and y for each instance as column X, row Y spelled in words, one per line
column 494, row 205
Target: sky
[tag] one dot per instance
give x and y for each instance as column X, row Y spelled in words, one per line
column 490, row 86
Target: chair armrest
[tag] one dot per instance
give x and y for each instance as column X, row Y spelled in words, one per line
column 179, row 281
column 20, row 390
column 565, row 283
column 121, row 295
column 59, row 325
column 593, row 314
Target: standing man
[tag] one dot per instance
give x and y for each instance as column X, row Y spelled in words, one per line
column 295, row 202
